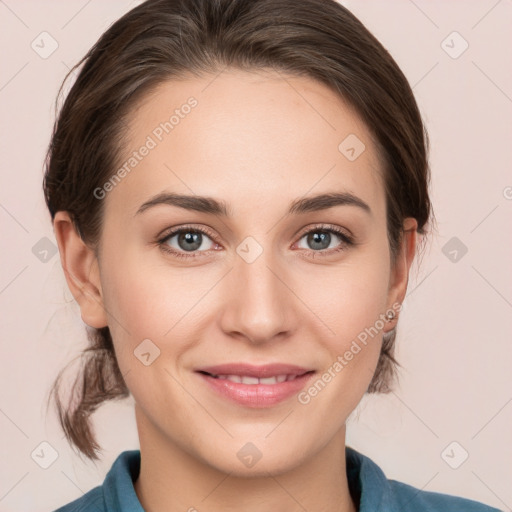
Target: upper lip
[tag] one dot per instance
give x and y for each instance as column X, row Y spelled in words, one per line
column 249, row 370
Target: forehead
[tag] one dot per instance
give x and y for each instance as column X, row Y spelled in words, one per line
column 247, row 137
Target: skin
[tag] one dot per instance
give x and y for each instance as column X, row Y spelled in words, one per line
column 258, row 141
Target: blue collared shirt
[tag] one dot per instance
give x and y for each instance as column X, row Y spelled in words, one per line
column 369, row 487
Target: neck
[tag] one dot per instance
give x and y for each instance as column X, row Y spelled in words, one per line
column 172, row 480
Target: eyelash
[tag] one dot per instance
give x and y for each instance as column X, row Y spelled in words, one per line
column 347, row 240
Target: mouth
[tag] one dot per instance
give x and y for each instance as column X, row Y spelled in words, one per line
column 255, row 386
column 250, row 381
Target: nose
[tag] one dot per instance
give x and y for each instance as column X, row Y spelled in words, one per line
column 260, row 305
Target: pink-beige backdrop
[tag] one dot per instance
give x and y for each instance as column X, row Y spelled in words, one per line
column 447, row 427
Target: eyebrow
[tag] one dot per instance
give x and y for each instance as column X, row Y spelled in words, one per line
column 218, row 208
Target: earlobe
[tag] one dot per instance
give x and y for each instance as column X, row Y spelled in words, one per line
column 400, row 273
column 81, row 270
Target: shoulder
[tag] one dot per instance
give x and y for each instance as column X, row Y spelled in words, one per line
column 92, row 500
column 373, row 491
column 408, row 497
column 117, row 493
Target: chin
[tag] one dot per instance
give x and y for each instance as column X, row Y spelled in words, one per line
column 256, row 459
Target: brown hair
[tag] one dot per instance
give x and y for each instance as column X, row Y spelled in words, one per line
column 161, row 40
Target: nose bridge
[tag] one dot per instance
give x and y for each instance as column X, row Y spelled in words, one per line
column 260, row 305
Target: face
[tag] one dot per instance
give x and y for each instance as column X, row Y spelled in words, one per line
column 275, row 279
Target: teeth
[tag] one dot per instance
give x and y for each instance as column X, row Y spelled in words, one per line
column 232, row 378
column 270, row 380
column 244, row 379
column 250, row 380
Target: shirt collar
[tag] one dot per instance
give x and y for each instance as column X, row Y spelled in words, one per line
column 367, row 483
column 118, row 488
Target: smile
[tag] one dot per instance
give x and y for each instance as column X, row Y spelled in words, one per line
column 246, row 379
column 255, row 386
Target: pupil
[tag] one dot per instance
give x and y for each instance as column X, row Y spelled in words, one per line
column 319, row 237
column 193, row 241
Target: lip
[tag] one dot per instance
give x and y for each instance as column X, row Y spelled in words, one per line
column 255, row 395
column 267, row 370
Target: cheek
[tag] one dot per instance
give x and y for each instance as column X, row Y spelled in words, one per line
column 350, row 298
column 352, row 304
column 147, row 301
column 351, row 345
column 145, row 298
column 148, row 319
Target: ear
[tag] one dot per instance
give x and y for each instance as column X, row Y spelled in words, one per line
column 399, row 277
column 81, row 269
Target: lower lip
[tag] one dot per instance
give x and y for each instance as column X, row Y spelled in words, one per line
column 256, row 395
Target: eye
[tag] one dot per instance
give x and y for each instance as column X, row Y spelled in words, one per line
column 192, row 242
column 319, row 239
column 185, row 240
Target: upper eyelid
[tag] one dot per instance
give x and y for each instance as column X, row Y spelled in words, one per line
column 168, row 232
column 325, row 227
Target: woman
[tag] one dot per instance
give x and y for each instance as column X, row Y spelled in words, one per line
column 237, row 190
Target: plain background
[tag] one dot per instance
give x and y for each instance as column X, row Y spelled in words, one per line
column 454, row 333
